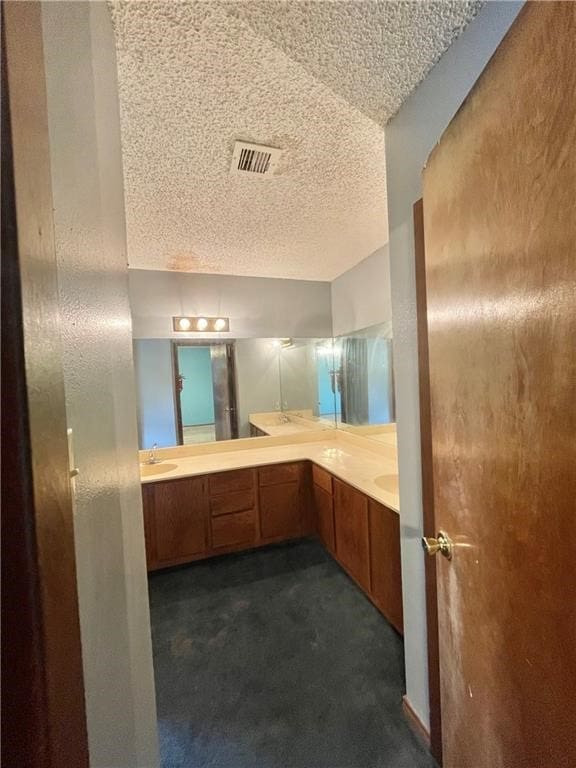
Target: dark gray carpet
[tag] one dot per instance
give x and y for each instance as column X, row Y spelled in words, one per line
column 275, row 659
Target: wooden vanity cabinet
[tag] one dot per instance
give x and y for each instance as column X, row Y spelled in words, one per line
column 175, row 521
column 352, row 532
column 385, row 564
column 194, row 518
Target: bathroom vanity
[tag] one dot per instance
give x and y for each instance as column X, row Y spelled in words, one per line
column 205, row 504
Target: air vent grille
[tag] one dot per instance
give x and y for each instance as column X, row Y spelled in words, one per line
column 254, row 159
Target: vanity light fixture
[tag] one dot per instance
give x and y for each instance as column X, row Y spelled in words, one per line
column 201, row 324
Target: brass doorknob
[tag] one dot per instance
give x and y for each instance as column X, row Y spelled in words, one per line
column 443, row 544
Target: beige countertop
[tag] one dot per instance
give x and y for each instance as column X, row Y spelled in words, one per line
column 365, row 468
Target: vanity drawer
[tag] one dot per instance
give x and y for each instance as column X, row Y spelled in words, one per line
column 234, row 530
column 322, row 478
column 236, row 501
column 279, row 473
column 235, row 480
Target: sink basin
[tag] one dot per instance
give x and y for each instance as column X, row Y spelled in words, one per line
column 146, row 470
column 387, row 483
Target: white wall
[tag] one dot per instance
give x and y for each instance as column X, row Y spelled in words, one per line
column 256, row 306
column 99, row 380
column 410, row 137
column 155, row 392
column 361, row 296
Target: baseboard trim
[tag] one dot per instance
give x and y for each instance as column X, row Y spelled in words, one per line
column 414, row 721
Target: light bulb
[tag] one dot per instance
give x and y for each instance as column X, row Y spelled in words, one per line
column 202, row 324
column 184, row 324
column 219, row 324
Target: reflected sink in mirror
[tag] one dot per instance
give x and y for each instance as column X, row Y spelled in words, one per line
column 146, row 470
column 388, row 483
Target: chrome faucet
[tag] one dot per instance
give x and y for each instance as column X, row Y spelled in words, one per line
column 152, row 455
column 284, row 418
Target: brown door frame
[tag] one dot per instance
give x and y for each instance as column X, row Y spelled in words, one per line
column 43, row 713
column 429, row 524
column 229, row 344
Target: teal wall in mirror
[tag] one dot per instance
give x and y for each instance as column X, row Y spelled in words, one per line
column 196, row 397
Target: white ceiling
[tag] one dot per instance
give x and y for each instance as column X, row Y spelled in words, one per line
column 318, row 79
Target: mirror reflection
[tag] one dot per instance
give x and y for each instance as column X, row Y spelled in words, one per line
column 202, row 390
column 364, row 377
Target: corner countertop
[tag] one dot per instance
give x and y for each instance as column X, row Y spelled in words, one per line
column 364, row 467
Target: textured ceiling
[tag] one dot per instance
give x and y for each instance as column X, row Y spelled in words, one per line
column 371, row 52
column 317, row 79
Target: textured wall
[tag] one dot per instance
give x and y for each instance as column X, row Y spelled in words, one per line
column 361, row 296
column 257, row 307
column 99, row 381
column 410, row 137
column 155, row 392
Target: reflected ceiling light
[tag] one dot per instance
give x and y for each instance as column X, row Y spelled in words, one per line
column 201, row 324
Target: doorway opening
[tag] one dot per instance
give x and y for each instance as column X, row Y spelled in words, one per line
column 205, row 391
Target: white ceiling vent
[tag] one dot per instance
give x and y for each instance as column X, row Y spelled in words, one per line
column 254, row 159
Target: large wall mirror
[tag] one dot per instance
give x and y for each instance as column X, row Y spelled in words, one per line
column 201, row 390
column 365, row 378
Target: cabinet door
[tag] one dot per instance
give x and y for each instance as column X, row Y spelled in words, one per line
column 385, row 562
column 180, row 519
column 280, row 511
column 324, row 517
column 351, row 532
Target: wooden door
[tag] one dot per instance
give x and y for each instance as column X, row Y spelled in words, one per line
column 351, row 532
column 500, row 230
column 385, row 566
column 180, row 519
